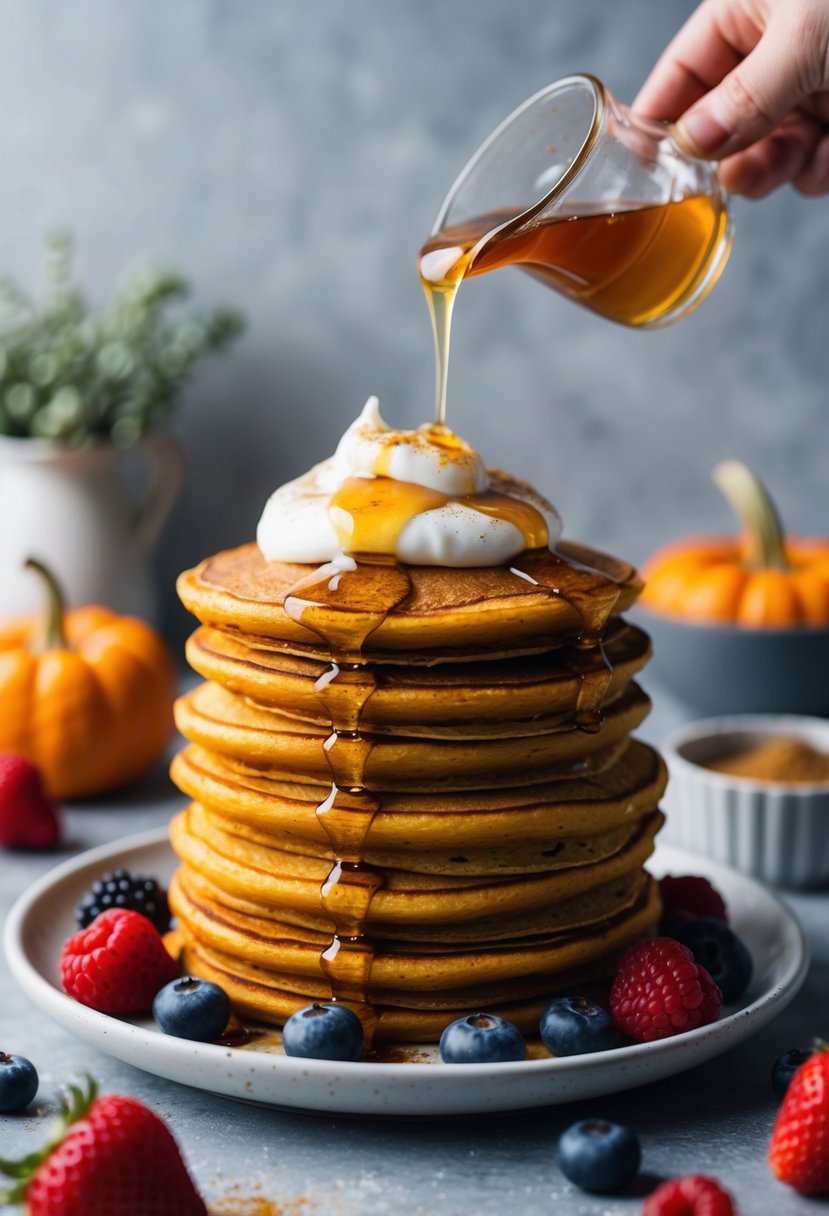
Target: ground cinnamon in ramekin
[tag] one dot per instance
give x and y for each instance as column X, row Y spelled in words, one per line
column 780, row 758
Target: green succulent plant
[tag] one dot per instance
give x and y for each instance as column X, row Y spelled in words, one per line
column 71, row 374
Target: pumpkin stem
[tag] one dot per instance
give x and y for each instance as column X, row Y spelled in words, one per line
column 762, row 527
column 52, row 635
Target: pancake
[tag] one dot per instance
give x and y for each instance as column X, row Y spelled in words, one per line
column 487, row 607
column 199, row 898
column 475, row 694
column 263, row 878
column 454, row 822
column 285, row 747
column 256, row 996
column 437, row 964
column 516, row 981
column 556, row 852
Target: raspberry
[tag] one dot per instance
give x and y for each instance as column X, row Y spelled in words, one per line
column 28, row 816
column 690, row 895
column 660, row 991
column 694, row 1195
column 118, row 964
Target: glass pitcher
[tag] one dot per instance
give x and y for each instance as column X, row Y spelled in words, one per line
column 592, row 199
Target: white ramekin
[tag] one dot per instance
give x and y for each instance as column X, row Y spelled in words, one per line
column 775, row 832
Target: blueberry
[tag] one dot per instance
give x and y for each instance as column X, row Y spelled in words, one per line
column 190, row 1008
column 18, row 1082
column 674, row 922
column 719, row 950
column 481, row 1038
column 784, row 1069
column 600, row 1156
column 572, row 1025
column 323, row 1032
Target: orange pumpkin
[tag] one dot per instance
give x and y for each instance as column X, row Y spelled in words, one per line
column 86, row 695
column 762, row 579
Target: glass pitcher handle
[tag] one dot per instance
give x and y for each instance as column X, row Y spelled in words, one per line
column 167, row 461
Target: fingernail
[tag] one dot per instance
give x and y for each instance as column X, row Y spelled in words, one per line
column 702, row 135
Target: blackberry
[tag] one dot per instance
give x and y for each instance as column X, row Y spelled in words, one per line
column 720, row 951
column 120, row 889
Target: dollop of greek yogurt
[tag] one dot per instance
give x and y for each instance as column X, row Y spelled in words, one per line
column 298, row 523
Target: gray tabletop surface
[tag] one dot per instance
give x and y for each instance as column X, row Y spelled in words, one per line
column 714, row 1119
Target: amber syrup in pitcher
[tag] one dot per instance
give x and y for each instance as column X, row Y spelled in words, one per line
column 631, row 264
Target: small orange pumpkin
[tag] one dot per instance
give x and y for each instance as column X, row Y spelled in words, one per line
column 86, row 695
column 762, row 579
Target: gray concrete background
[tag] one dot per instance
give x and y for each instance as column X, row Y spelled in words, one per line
column 290, row 157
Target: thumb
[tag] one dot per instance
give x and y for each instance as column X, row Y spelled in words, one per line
column 750, row 101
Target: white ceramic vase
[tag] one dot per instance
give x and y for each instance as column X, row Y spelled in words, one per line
column 73, row 510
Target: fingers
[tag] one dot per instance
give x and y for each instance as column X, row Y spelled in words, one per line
column 759, row 92
column 815, row 177
column 697, row 59
column 755, row 99
column 783, row 156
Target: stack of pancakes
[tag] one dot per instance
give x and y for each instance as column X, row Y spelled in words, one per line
column 511, row 813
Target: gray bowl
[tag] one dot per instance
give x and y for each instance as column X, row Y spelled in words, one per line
column 724, row 669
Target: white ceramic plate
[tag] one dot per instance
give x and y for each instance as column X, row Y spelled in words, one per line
column 418, row 1084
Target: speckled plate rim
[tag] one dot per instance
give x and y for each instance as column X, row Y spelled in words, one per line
column 43, row 917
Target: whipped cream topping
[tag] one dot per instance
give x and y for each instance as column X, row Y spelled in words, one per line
column 432, row 457
column 421, row 496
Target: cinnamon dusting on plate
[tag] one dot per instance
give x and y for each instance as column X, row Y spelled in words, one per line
column 233, row 1204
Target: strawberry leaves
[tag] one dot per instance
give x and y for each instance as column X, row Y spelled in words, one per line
column 75, row 1104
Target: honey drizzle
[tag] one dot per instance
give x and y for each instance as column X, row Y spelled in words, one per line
column 441, row 272
column 343, row 605
column 593, row 597
column 369, row 513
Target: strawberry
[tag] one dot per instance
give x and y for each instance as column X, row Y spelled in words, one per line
column 799, row 1148
column 28, row 816
column 110, row 1157
column 118, row 964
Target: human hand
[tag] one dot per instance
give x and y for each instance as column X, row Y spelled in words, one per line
column 747, row 83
